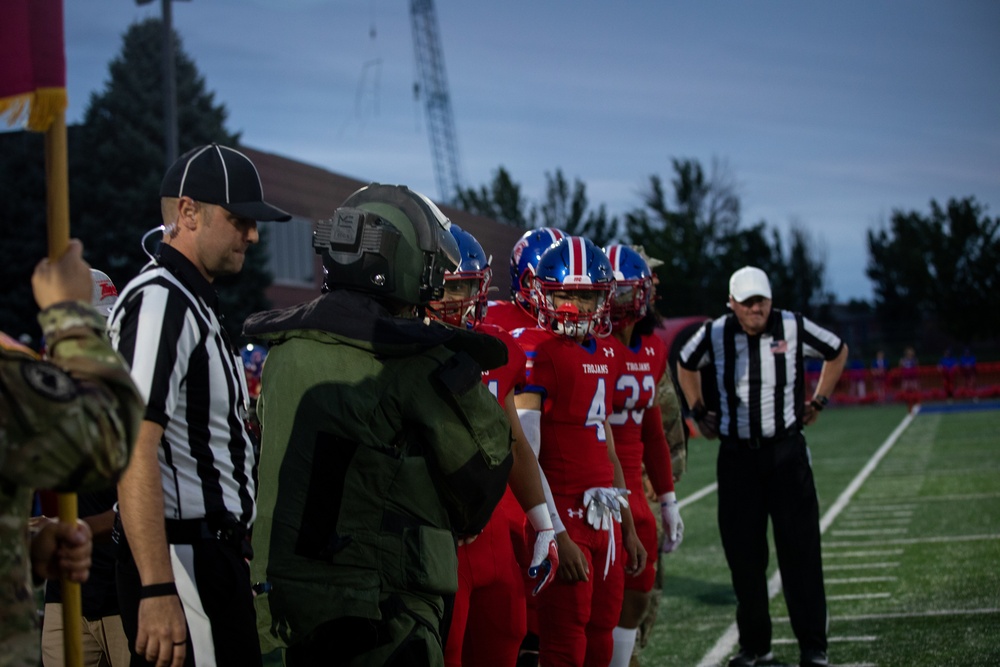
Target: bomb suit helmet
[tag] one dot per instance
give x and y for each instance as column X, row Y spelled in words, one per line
column 633, row 284
column 523, row 258
column 388, row 241
column 464, row 302
column 574, row 265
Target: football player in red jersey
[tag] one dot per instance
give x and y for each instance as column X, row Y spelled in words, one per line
column 644, row 361
column 489, row 617
column 564, row 410
column 519, row 312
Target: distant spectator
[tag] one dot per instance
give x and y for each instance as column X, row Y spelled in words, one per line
column 856, row 378
column 879, row 370
column 967, row 364
column 908, row 371
column 948, row 367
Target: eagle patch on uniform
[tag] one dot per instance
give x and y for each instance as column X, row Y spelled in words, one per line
column 50, row 381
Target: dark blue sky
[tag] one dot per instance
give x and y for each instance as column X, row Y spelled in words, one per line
column 828, row 115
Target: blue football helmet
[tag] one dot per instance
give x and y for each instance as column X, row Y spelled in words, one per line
column 464, row 301
column 523, row 258
column 633, row 284
column 580, row 271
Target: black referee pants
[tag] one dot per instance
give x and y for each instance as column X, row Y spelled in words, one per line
column 213, row 580
column 772, row 479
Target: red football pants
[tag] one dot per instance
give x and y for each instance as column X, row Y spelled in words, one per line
column 488, row 621
column 575, row 620
column 645, row 529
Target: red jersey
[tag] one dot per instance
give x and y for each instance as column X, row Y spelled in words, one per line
column 576, row 381
column 512, row 374
column 528, row 339
column 509, row 316
column 642, row 367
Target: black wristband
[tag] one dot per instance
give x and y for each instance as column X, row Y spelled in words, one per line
column 158, row 590
column 698, row 412
column 819, row 402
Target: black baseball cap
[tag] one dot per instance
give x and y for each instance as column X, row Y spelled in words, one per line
column 224, row 176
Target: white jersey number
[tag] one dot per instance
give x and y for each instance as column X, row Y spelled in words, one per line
column 631, row 384
column 598, row 412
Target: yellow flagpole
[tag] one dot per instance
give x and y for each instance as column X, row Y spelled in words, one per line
column 57, row 205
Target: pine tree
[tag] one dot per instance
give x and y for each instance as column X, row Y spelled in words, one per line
column 118, row 159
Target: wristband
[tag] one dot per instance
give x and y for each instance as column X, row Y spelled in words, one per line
column 539, row 517
column 158, row 590
column 698, row 412
column 819, row 402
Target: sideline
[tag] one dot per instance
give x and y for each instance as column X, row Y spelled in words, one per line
column 726, row 644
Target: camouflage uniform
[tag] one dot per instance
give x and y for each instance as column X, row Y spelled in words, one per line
column 67, row 425
column 673, row 427
column 673, row 424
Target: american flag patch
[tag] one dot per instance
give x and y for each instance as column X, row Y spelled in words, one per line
column 779, row 347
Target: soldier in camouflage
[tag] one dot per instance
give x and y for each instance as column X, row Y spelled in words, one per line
column 67, row 424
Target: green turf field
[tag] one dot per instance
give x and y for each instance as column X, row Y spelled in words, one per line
column 911, row 553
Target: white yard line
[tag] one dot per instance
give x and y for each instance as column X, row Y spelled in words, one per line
column 860, row 554
column 869, row 531
column 860, row 596
column 832, row 640
column 725, row 644
column 859, row 580
column 881, row 509
column 697, row 495
column 912, row 540
column 919, row 614
column 861, row 566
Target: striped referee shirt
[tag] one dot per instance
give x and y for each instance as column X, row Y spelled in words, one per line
column 166, row 326
column 761, row 378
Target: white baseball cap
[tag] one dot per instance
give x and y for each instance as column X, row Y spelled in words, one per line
column 105, row 294
column 748, row 282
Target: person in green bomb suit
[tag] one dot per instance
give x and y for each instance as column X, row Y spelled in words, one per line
column 380, row 446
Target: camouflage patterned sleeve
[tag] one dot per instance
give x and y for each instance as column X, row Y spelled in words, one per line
column 69, row 423
column 673, row 423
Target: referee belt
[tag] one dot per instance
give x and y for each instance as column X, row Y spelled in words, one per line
column 192, row 531
column 758, row 442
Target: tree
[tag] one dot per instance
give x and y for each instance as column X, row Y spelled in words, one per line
column 564, row 208
column 502, row 201
column 942, row 265
column 117, row 163
column 568, row 211
column 22, row 228
column 700, row 239
column 688, row 236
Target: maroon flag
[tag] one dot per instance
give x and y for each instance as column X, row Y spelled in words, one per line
column 33, row 53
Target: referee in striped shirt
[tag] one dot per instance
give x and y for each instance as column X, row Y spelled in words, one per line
column 186, row 500
column 763, row 466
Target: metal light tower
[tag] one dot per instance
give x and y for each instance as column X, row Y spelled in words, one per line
column 169, row 83
column 434, row 86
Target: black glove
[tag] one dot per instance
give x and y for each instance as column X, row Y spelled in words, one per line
column 708, row 422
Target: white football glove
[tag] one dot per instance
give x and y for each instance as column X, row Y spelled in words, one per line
column 604, row 505
column 673, row 525
column 545, row 559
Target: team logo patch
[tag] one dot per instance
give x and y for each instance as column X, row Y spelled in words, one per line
column 49, row 381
